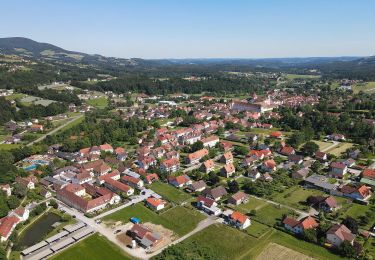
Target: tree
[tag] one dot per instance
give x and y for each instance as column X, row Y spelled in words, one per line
column 346, row 249
column 213, row 178
column 233, row 186
column 241, row 150
column 19, row 191
column 310, row 148
column 309, row 235
column 3, row 254
column 13, row 202
column 197, row 146
column 53, row 204
column 352, row 224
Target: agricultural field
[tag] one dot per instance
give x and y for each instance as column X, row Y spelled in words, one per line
column 277, row 252
column 340, row 148
column 368, row 87
column 94, row 247
column 170, row 219
column 169, row 192
column 297, row 76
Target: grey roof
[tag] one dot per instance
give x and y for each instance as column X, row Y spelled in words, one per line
column 34, row 248
column 40, row 255
column 197, row 185
column 62, row 243
column 82, row 233
column 320, row 181
column 74, row 227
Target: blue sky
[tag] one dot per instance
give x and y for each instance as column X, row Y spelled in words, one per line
column 196, row 29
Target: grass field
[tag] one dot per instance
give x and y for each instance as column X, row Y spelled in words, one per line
column 98, row 102
column 340, row 148
column 322, row 145
column 93, row 247
column 72, row 124
column 230, row 243
column 8, row 147
column 15, row 96
column 169, row 192
column 252, row 204
column 297, row 76
column 368, row 87
column 276, row 252
column 296, row 196
column 257, row 229
column 270, row 214
column 171, row 219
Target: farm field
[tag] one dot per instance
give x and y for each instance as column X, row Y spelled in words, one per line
column 340, row 148
column 368, row 87
column 297, row 76
column 93, row 247
column 277, row 252
column 170, row 219
column 169, row 192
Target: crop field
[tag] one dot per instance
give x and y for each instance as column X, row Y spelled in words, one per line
column 277, row 252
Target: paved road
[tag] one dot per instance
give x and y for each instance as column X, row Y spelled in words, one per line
column 335, row 143
column 54, row 130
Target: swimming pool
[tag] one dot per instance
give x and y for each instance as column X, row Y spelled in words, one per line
column 30, row 167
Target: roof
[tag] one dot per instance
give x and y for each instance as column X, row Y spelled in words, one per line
column 239, row 196
column 287, row 150
column 130, row 179
column 117, row 185
column 210, row 139
column 238, row 217
column 308, row 223
column 331, row 202
column 209, row 164
column 229, row 168
column 198, row 154
column 292, row 222
column 206, row 201
column 338, row 165
column 198, row 185
column 74, row 187
column 182, row 179
column 106, row 147
column 154, row 202
column 7, row 223
column 228, row 156
column 276, row 134
column 369, row 173
column 171, row 162
column 342, row 232
column 320, row 154
column 215, row 192
column 270, row 164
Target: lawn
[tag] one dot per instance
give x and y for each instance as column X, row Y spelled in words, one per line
column 296, row 196
column 297, row 76
column 367, row 87
column 170, row 219
column 8, row 147
column 271, row 214
column 322, row 145
column 356, row 211
column 252, row 204
column 75, row 122
column 257, row 229
column 340, row 148
column 169, row 192
column 93, row 247
column 98, row 102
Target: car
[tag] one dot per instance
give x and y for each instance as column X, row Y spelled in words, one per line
column 98, row 221
column 135, row 220
column 74, row 216
column 117, row 231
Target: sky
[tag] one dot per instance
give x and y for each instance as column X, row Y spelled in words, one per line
column 196, row 28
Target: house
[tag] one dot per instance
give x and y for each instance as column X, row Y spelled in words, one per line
column 210, row 141
column 146, row 162
column 226, row 146
column 299, row 226
column 36, row 128
column 336, row 137
column 117, row 186
column 276, row 134
column 215, row 193
column 150, row 178
column 194, row 158
column 327, row 204
column 82, row 177
column 6, row 189
column 27, row 182
column 179, row 181
column 106, row 148
column 350, row 162
column 269, row 165
column 338, row 169
column 7, row 225
column 339, row 233
column 361, row 192
column 132, row 181
column 266, row 177
column 102, row 169
column 227, row 158
column 321, row 156
column 208, row 166
column 238, row 198
column 228, row 170
column 21, row 213
column 144, row 236
column 319, row 182
column 368, row 177
column 249, row 161
column 287, row 150
column 45, row 193
column 155, row 204
column 239, row 220
column 208, row 205
column 297, row 159
column 301, row 173
column 170, row 165
column 197, row 186
column 253, row 174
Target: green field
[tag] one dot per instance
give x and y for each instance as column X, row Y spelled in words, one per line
column 257, row 229
column 93, row 247
column 230, row 243
column 98, row 102
column 340, row 148
column 169, row 192
column 72, row 124
column 296, row 196
column 368, row 87
column 252, row 204
column 297, row 76
column 170, row 219
column 8, row 147
column 322, row 145
column 270, row 214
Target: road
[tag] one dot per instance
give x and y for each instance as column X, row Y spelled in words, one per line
column 54, row 130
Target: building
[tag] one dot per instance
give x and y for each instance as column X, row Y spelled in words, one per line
column 287, row 150
column 144, row 236
column 368, row 177
column 215, row 193
column 299, row 226
column 6, row 189
column 208, row 166
column 321, row 156
column 337, row 234
column 238, row 198
column 194, row 158
column 210, row 141
column 155, row 204
column 228, row 170
column 239, row 220
column 356, row 192
column 132, row 181
column 338, row 169
column 208, row 205
column 197, row 186
column 7, row 225
column 179, row 181
column 170, row 165
column 227, row 158
column 27, row 182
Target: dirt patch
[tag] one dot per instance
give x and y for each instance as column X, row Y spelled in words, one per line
column 277, row 252
column 167, row 235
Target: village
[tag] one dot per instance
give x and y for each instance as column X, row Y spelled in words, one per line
column 204, row 162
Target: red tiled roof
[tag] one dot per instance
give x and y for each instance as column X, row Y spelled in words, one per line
column 154, row 202
column 290, row 222
column 7, row 223
column 369, row 173
column 198, row 154
column 238, row 217
column 308, row 223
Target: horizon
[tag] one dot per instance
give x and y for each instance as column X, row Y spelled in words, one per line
column 193, row 30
